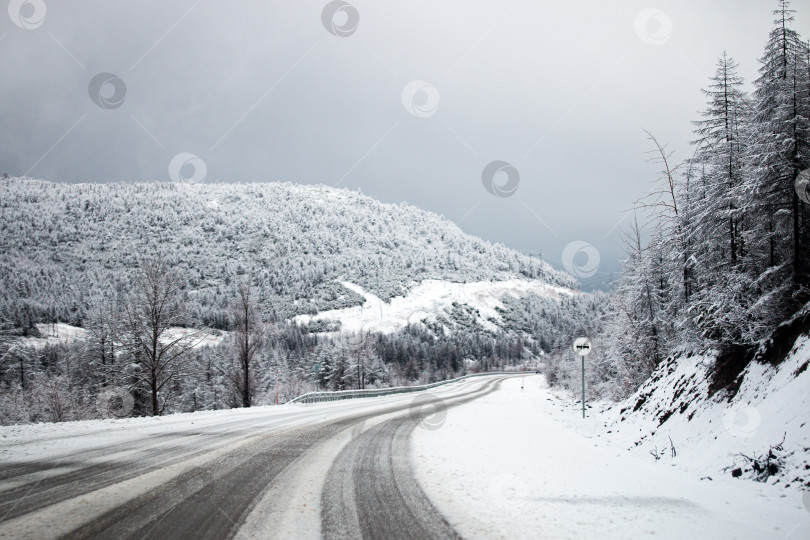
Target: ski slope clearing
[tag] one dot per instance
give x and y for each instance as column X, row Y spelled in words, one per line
column 521, row 463
column 428, row 299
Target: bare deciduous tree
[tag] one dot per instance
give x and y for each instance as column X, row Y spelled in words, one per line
column 146, row 317
column 100, row 329
column 249, row 334
column 360, row 349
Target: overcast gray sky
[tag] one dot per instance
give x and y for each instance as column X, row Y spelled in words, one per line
column 263, row 91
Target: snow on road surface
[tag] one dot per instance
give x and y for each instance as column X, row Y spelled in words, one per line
column 519, row 464
column 46, row 440
column 427, row 299
column 255, row 473
column 514, row 463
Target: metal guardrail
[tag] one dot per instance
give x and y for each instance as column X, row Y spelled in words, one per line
column 337, row 395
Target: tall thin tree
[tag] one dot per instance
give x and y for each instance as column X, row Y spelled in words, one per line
column 249, row 336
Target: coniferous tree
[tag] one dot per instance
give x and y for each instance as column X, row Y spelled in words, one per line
column 714, row 216
column 779, row 149
column 721, row 147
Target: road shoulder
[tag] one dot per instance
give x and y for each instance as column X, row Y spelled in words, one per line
column 509, row 465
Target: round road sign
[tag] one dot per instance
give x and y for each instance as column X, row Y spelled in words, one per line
column 582, row 346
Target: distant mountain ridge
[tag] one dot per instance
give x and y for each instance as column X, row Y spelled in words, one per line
column 61, row 245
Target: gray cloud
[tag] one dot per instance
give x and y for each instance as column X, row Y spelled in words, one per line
column 261, row 91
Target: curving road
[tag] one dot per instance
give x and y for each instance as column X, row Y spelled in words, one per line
column 337, row 470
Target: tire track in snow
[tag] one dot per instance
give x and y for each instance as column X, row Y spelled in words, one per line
column 371, row 491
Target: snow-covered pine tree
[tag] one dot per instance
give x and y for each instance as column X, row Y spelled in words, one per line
column 712, row 219
column 721, row 146
column 779, row 150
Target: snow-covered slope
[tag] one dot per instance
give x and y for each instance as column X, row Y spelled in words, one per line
column 430, row 298
column 713, row 434
column 61, row 244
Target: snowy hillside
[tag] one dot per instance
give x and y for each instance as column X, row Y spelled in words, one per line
column 717, row 432
column 52, row 334
column 429, row 299
column 61, row 334
column 62, row 244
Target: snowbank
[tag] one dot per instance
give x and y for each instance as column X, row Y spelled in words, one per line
column 521, row 463
column 710, row 433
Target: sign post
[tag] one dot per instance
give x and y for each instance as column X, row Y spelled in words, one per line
column 316, row 368
column 582, row 346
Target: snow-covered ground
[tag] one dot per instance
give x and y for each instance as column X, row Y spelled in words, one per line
column 522, row 463
column 428, row 298
column 200, row 338
column 711, row 433
column 54, row 334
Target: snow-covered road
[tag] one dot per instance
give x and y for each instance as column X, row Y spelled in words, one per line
column 517, row 463
column 494, row 461
column 298, row 471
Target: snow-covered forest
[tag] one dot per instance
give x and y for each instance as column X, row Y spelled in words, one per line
column 64, row 246
column 95, row 257
column 724, row 257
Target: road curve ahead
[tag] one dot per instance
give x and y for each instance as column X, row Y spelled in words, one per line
column 338, row 470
